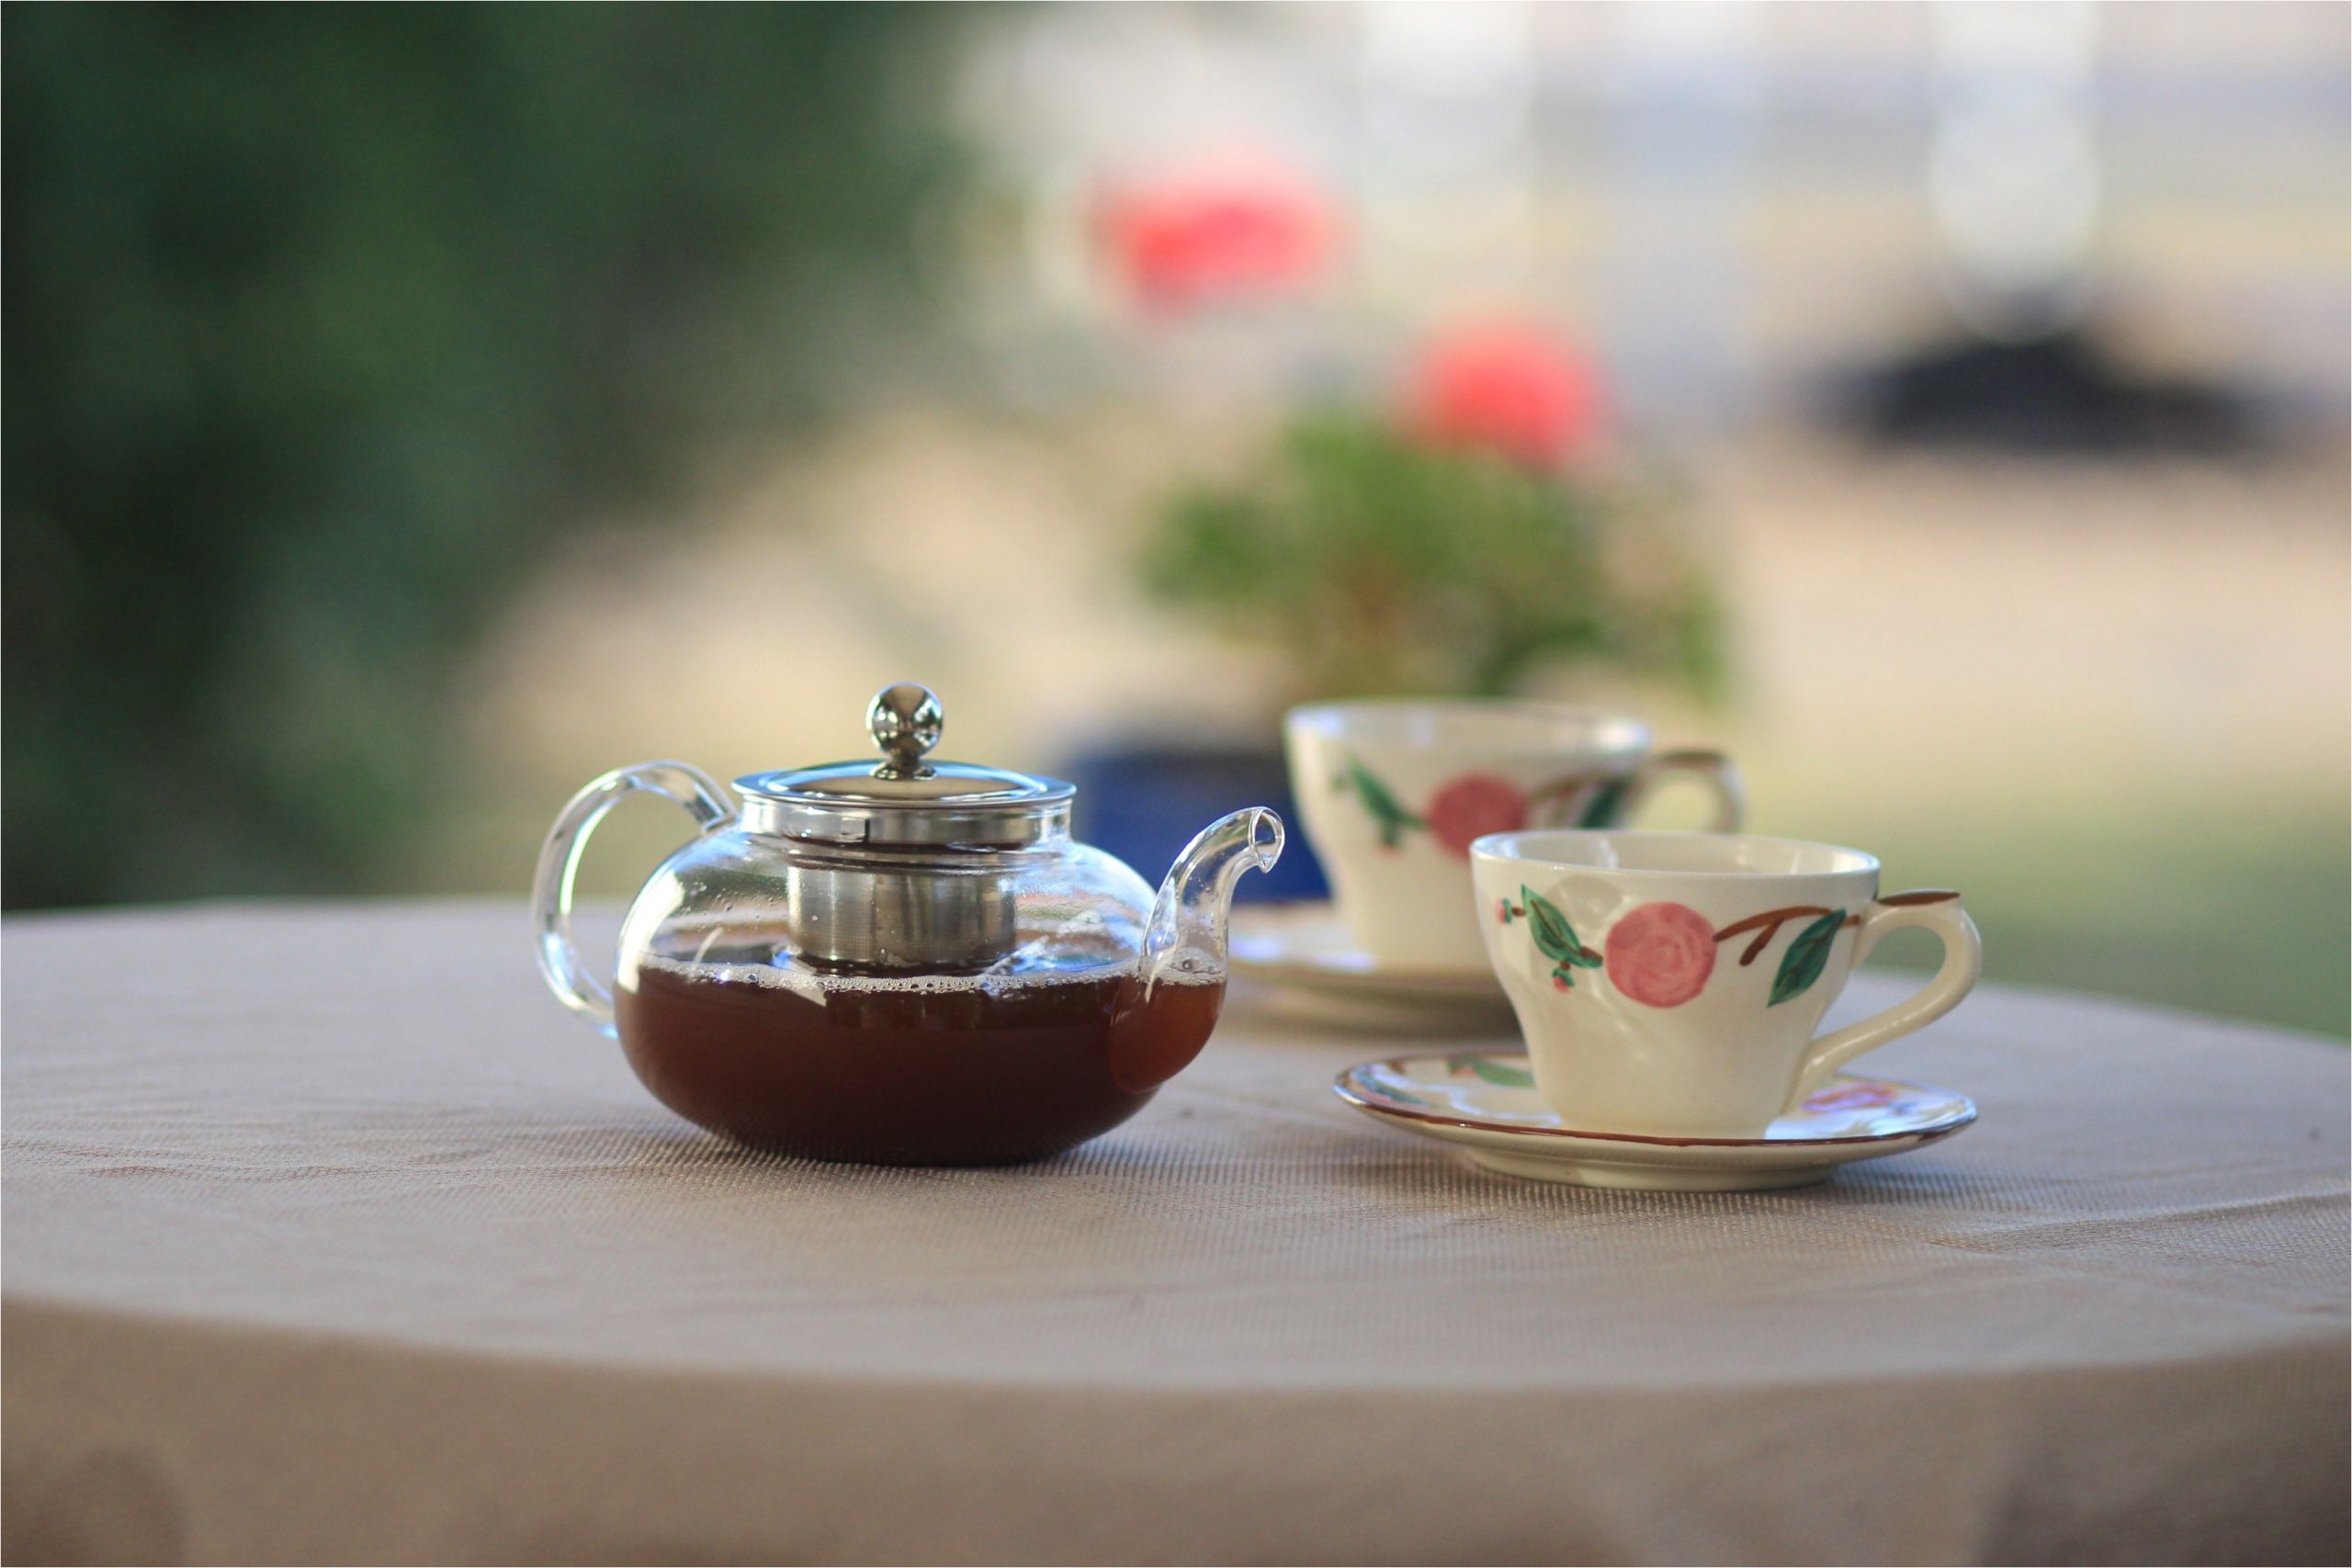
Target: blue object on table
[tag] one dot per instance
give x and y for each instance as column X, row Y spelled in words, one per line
column 1144, row 804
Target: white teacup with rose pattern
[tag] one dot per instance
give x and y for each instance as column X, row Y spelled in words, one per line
column 1670, row 984
column 1393, row 791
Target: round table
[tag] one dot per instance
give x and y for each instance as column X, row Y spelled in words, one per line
column 329, row 1236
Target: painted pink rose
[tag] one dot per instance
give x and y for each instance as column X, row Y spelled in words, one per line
column 1662, row 954
column 1473, row 805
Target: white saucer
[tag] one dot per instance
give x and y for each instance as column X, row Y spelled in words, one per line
column 1302, row 949
column 1485, row 1102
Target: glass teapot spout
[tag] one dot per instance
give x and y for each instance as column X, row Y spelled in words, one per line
column 1186, row 937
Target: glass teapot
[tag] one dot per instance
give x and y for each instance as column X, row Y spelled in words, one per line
column 903, row 962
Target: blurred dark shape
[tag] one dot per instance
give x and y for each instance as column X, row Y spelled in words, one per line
column 2060, row 394
column 321, row 323
column 1143, row 803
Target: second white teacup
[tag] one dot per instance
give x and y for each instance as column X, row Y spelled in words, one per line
column 1669, row 985
column 1392, row 792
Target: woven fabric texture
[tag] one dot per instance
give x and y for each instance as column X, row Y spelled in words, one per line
column 328, row 1236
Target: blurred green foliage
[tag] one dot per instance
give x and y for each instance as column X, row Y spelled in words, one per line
column 319, row 323
column 1375, row 565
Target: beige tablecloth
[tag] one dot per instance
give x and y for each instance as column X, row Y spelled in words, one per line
column 329, row 1236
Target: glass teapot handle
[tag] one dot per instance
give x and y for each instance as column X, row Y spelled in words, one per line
column 704, row 799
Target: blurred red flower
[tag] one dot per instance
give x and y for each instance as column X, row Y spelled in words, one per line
column 1214, row 232
column 1508, row 389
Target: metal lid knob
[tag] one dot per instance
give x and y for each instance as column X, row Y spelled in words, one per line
column 905, row 721
column 906, row 800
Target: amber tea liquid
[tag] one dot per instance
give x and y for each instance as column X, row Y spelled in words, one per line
column 981, row 1070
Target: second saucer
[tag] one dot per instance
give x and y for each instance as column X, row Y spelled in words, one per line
column 1304, row 951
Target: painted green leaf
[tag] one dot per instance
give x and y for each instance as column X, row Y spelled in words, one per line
column 1600, row 811
column 1806, row 957
column 1503, row 1074
column 1555, row 938
column 1393, row 818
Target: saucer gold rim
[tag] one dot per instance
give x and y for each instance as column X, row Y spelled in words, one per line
column 1963, row 1113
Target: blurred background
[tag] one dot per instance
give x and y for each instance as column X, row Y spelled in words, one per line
column 411, row 412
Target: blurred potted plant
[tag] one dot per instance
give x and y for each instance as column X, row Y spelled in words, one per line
column 1473, row 537
column 1470, row 536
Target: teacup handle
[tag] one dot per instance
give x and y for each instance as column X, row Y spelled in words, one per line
column 1934, row 909
column 1715, row 769
column 704, row 799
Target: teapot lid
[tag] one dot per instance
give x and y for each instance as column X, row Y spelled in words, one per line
column 904, row 799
